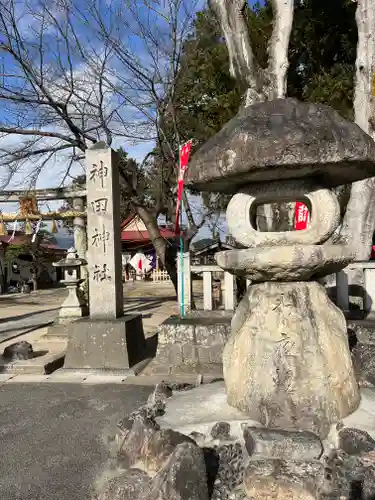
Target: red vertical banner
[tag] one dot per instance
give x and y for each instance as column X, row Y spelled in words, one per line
column 183, row 163
column 301, row 216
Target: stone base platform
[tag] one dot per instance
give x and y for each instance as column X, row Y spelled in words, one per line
column 193, row 344
column 195, row 437
column 199, row 409
column 110, row 346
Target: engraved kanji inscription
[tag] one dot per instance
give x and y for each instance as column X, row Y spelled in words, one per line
column 100, row 238
column 101, row 273
column 98, row 172
column 99, row 205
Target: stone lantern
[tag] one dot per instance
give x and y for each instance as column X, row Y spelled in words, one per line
column 287, row 362
column 74, row 306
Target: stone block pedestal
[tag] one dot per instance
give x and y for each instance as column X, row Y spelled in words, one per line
column 106, row 345
column 194, row 343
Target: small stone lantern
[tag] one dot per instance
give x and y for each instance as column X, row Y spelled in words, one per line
column 74, row 306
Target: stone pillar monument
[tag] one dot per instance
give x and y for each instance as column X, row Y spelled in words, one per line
column 108, row 340
column 287, row 362
column 104, row 233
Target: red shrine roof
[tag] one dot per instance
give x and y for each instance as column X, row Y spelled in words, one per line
column 134, row 230
column 25, row 239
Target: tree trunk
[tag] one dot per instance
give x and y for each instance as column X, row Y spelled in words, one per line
column 163, row 249
column 243, row 66
column 359, row 220
column 278, row 62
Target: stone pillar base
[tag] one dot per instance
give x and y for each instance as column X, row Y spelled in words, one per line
column 110, row 346
column 287, row 363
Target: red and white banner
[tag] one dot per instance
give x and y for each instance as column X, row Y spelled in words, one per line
column 140, row 263
column 301, row 216
column 185, row 150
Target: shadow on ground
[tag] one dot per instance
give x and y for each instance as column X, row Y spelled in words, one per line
column 28, row 315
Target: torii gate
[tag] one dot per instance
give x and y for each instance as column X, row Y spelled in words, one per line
column 29, row 211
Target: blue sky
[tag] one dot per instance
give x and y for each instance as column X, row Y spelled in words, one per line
column 131, row 108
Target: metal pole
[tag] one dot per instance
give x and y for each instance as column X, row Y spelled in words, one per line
column 182, row 303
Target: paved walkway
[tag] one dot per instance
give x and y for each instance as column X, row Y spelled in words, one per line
column 54, row 437
column 21, row 313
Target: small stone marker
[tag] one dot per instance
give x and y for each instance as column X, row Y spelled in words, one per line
column 104, row 233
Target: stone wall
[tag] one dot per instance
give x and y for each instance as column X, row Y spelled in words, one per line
column 192, row 344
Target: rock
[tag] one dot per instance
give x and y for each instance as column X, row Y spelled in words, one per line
column 146, row 414
column 18, row 351
column 238, row 494
column 270, row 488
column 287, row 363
column 353, row 476
column 285, row 263
column 274, row 443
column 149, row 411
column 282, row 139
column 281, row 480
column 364, row 364
column 146, row 444
column 221, row 430
column 161, row 393
column 130, row 485
column 181, row 386
column 230, row 472
column 355, row 441
column 363, row 331
column 135, row 442
column 182, row 478
column 160, row 446
column 198, row 437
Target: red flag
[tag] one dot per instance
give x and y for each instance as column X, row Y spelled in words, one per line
column 184, row 160
column 180, row 189
column 140, row 264
column 301, row 215
column 184, row 157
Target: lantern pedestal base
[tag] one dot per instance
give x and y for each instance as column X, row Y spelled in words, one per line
column 287, row 362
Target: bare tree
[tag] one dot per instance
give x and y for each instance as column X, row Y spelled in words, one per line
column 72, row 75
